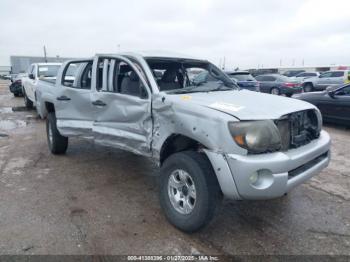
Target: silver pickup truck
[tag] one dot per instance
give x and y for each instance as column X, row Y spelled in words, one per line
column 210, row 139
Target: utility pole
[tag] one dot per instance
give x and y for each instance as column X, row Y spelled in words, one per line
column 45, row 54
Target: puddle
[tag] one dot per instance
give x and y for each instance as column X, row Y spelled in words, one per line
column 11, row 124
column 6, row 110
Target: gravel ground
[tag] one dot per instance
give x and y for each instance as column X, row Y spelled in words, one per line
column 98, row 200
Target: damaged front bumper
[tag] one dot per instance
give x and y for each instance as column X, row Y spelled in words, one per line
column 271, row 175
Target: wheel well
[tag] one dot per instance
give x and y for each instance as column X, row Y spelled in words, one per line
column 308, row 83
column 49, row 107
column 177, row 143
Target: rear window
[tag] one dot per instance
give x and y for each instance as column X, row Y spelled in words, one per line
column 242, row 77
column 48, row 70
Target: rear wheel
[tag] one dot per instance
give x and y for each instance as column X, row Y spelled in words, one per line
column 16, row 94
column 308, row 87
column 275, row 91
column 58, row 144
column 189, row 191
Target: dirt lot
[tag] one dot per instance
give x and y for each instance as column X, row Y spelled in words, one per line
column 97, row 200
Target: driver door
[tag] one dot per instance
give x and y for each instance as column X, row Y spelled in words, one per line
column 122, row 99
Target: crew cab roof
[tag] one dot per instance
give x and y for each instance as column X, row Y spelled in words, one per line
column 43, row 64
column 155, row 54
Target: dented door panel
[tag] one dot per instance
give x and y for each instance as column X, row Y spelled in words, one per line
column 124, row 122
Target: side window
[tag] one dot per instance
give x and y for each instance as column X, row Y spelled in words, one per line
column 310, row 74
column 268, row 79
column 324, row 75
column 337, row 74
column 116, row 76
column 259, row 78
column 78, row 75
column 345, row 91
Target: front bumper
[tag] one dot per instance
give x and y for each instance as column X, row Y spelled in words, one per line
column 278, row 172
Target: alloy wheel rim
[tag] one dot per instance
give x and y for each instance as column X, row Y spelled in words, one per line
column 182, row 191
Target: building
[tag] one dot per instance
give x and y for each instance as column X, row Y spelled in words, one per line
column 20, row 64
column 5, row 70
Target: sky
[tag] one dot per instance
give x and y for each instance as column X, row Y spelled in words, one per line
column 246, row 34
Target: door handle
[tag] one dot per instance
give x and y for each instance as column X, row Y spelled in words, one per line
column 63, row 98
column 99, row 103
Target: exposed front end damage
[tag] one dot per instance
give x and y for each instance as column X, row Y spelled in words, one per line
column 176, row 116
column 304, row 149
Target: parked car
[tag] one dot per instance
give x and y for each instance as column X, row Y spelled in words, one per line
column 329, row 78
column 244, row 80
column 16, row 84
column 291, row 73
column 278, row 85
column 210, row 140
column 334, row 103
column 304, row 75
column 36, row 72
column 6, row 77
column 262, row 71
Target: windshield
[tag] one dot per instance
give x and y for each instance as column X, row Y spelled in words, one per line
column 242, row 77
column 176, row 76
column 48, row 70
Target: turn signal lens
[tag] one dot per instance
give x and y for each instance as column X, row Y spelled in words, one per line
column 239, row 140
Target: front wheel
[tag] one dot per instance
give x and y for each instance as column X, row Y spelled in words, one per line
column 27, row 102
column 58, row 144
column 189, row 191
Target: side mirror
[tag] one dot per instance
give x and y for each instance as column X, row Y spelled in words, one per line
column 31, row 76
column 329, row 89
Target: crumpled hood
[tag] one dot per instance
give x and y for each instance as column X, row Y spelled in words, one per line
column 247, row 105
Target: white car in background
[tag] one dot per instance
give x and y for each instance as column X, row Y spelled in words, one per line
column 36, row 72
column 305, row 75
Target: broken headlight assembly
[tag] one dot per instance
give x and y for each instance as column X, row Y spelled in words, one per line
column 256, row 136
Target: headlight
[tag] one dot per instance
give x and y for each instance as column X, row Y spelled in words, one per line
column 256, row 136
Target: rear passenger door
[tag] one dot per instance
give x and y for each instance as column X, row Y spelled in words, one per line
column 122, row 99
column 74, row 112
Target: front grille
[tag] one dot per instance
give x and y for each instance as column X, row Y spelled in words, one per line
column 298, row 129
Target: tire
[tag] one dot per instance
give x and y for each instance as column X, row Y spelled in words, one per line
column 274, row 91
column 16, row 94
column 58, row 144
column 27, row 102
column 202, row 178
column 308, row 87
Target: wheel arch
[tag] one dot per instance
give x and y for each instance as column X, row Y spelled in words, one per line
column 176, row 143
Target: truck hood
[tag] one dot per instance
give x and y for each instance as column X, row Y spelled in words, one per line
column 247, row 105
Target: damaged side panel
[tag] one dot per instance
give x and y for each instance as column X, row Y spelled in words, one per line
column 125, row 122
column 175, row 115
